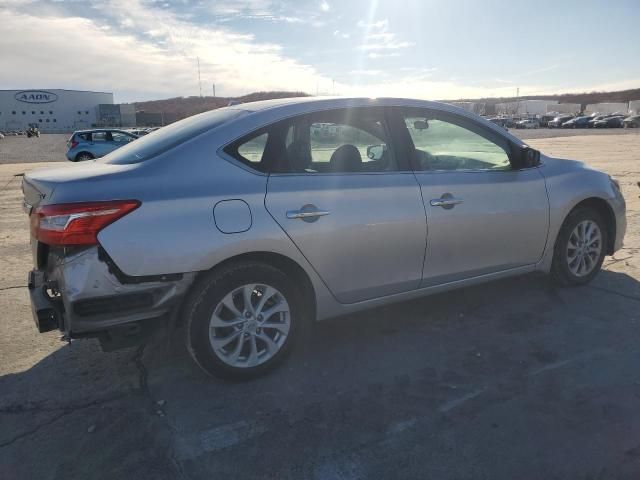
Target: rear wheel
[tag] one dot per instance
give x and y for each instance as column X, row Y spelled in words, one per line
column 580, row 248
column 243, row 320
column 84, row 156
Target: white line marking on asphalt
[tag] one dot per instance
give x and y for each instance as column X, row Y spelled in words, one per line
column 455, row 403
column 562, row 363
column 399, row 427
column 217, row 438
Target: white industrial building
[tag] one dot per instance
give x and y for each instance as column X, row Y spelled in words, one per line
column 524, row 107
column 573, row 108
column 474, row 107
column 606, row 108
column 52, row 111
column 634, row 107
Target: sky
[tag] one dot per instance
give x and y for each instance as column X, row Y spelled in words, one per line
column 432, row 49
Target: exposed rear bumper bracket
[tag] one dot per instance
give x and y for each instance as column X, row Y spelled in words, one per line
column 46, row 312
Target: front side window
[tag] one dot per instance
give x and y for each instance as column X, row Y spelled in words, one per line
column 443, row 143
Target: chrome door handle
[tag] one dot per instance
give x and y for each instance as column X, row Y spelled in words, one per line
column 447, row 201
column 308, row 213
column 438, row 202
column 299, row 214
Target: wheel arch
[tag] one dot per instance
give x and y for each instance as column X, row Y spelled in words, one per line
column 290, row 267
column 83, row 152
column 601, row 206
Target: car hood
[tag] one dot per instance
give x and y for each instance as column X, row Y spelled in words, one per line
column 562, row 164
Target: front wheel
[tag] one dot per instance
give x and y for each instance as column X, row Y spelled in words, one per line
column 580, row 248
column 243, row 320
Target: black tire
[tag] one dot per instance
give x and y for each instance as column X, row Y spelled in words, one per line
column 209, row 292
column 83, row 156
column 560, row 267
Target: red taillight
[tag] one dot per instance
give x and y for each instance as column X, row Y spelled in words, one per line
column 74, row 143
column 77, row 223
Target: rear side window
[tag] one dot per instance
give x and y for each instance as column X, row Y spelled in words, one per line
column 252, row 150
column 83, row 137
column 353, row 140
column 120, row 137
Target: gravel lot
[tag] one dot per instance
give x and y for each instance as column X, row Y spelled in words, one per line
column 515, row 379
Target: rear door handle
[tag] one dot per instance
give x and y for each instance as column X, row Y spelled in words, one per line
column 446, row 201
column 308, row 213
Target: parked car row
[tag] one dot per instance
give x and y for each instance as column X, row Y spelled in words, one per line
column 141, row 131
column 596, row 120
column 13, row 133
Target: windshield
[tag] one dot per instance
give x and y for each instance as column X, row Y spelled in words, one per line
column 168, row 137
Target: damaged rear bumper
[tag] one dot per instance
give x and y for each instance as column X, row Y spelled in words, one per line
column 84, row 294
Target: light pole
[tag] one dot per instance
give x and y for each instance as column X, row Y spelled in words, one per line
column 199, row 81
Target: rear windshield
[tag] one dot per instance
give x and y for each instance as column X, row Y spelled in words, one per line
column 168, row 137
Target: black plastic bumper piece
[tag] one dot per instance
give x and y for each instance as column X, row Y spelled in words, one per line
column 44, row 310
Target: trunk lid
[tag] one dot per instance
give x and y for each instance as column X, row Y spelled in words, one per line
column 70, row 180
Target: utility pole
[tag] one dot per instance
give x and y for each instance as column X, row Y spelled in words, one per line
column 214, row 89
column 199, row 81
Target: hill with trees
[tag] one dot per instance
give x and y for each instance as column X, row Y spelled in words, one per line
column 181, row 107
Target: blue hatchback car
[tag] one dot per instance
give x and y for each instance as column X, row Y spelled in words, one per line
column 89, row 144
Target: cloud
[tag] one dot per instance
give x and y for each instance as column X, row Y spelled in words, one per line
column 324, row 6
column 161, row 62
column 378, row 25
column 143, row 51
column 339, row 34
column 378, row 37
column 366, row 72
column 386, row 45
column 242, row 7
column 383, row 55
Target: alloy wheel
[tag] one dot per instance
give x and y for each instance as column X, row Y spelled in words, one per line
column 584, row 248
column 249, row 325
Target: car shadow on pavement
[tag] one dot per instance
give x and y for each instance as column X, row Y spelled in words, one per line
column 415, row 375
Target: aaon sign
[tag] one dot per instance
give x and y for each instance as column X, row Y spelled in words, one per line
column 35, row 96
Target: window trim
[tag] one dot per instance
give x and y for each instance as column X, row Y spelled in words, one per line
column 230, row 150
column 400, row 112
column 278, row 129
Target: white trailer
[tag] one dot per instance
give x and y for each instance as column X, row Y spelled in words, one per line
column 527, row 108
column 573, row 108
column 606, row 108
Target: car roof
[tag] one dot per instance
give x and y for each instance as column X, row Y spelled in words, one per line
column 338, row 102
column 93, row 130
column 283, row 107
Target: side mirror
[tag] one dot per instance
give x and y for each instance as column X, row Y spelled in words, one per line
column 529, row 157
column 375, row 152
column 420, row 124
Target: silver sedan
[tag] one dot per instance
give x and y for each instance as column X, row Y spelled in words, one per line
column 238, row 226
